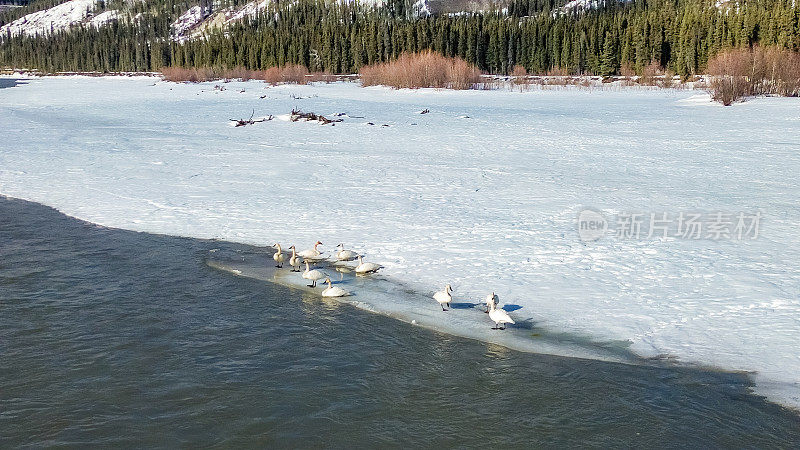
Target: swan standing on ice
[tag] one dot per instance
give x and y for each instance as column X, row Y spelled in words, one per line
column 294, row 261
column 444, row 297
column 311, row 254
column 333, row 291
column 369, row 267
column 499, row 316
column 312, row 275
column 492, row 300
column 279, row 257
column 345, row 255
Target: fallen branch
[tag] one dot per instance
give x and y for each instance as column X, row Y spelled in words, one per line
column 298, row 115
column 250, row 121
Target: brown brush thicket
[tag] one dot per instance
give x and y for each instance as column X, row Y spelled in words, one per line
column 295, row 74
column 739, row 73
column 650, row 74
column 422, row 70
column 520, row 77
column 189, row 74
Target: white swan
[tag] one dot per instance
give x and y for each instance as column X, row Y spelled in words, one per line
column 499, row 316
column 294, row 261
column 345, row 255
column 311, row 253
column 444, row 297
column 369, row 267
column 313, row 275
column 279, row 257
column 491, row 301
column 333, row 291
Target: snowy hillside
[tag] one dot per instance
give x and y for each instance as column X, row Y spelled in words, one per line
column 581, row 5
column 58, row 18
column 483, row 192
column 193, row 22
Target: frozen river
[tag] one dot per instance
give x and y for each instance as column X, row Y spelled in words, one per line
column 483, row 192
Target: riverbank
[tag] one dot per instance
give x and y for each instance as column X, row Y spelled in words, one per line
column 483, row 192
column 120, row 338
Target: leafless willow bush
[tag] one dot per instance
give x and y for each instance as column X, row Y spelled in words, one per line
column 520, row 78
column 191, row 75
column 421, row 70
column 628, row 74
column 739, row 73
column 294, row 74
column 651, row 74
column 627, row 71
column 238, row 73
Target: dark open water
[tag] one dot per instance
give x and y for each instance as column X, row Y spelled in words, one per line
column 11, row 82
column 116, row 338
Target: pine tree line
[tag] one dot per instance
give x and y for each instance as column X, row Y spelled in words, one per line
column 339, row 37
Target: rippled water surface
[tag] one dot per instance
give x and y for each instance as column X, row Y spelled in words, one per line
column 110, row 337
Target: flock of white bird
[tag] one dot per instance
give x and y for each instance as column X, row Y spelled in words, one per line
column 311, row 256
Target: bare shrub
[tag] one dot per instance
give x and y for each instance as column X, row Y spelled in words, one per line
column 520, row 77
column 559, row 76
column 667, row 80
column 325, row 77
column 461, row 74
column 557, row 72
column 585, row 82
column 739, row 73
column 238, row 73
column 519, row 71
column 294, row 74
column 627, row 74
column 781, row 73
column 181, row 74
column 729, row 71
column 271, row 75
column 650, row 73
column 627, row 71
column 288, row 74
column 420, row 70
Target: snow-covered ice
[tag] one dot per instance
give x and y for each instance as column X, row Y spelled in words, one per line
column 482, row 192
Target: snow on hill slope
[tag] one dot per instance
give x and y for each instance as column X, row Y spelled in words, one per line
column 104, row 18
column 58, row 18
column 581, row 5
column 192, row 23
